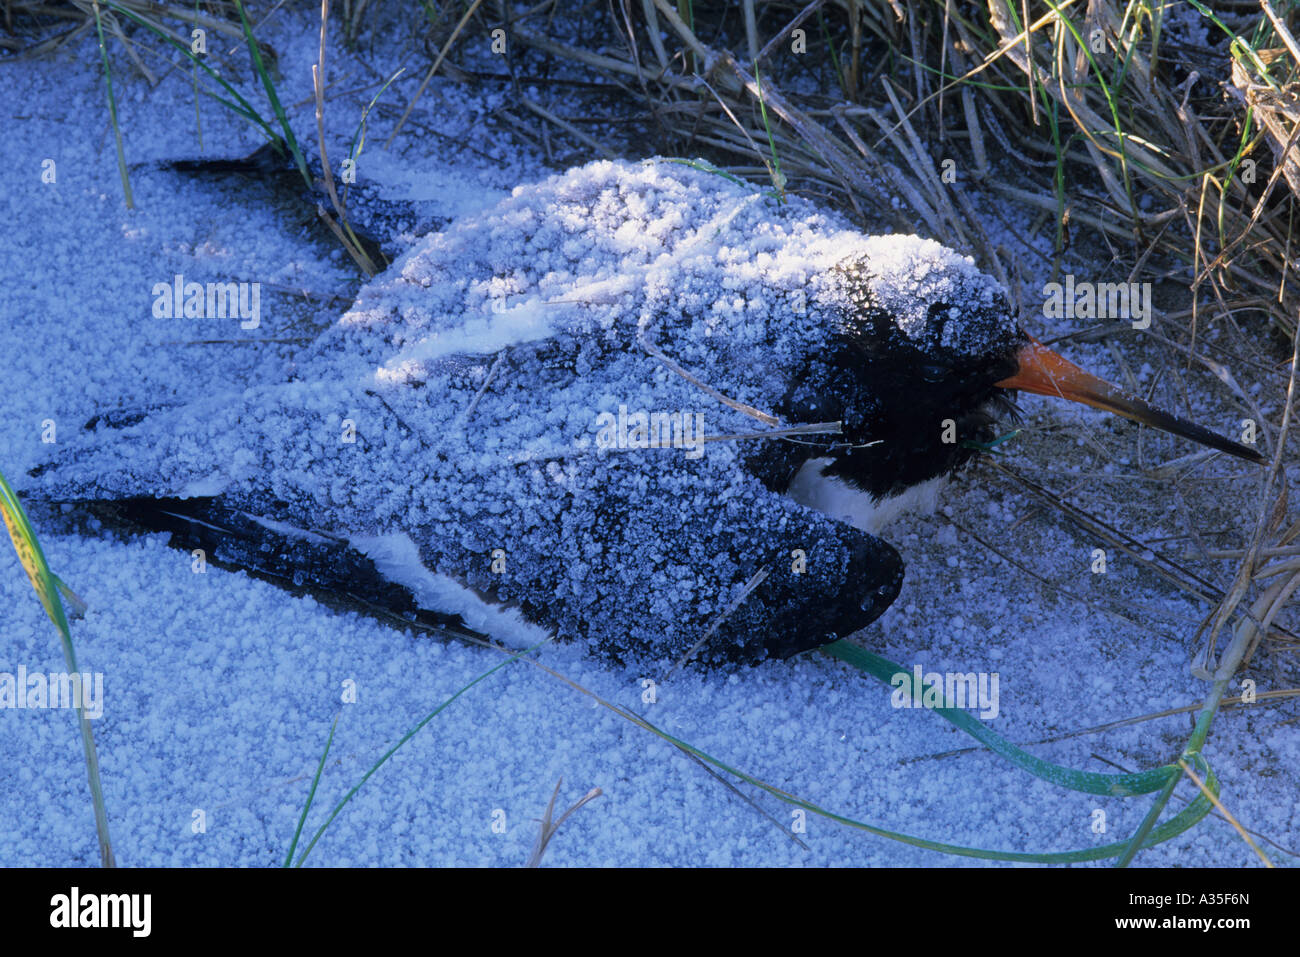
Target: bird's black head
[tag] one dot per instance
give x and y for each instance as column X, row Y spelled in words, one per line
column 919, row 340
column 922, row 360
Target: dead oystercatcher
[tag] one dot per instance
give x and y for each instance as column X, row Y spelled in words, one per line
column 622, row 401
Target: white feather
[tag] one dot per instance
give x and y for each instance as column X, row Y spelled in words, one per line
column 853, row 506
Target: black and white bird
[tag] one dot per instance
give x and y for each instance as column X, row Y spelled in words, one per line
column 586, row 403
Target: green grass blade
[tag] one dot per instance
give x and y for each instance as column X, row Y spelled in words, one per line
column 311, row 794
column 1187, row 818
column 255, row 54
column 778, row 178
column 406, row 737
column 359, row 136
column 112, row 111
column 48, row 586
column 245, row 109
column 1088, row 782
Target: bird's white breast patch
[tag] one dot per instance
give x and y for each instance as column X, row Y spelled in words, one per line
column 844, row 503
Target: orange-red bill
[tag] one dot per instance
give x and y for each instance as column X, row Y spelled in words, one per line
column 1044, row 372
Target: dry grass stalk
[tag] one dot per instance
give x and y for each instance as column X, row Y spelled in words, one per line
column 549, row 826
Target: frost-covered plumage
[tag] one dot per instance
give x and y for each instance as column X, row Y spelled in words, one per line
column 464, row 402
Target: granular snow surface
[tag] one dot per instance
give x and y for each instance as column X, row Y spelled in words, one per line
column 219, row 689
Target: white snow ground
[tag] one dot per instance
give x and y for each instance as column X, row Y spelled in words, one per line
column 220, row 690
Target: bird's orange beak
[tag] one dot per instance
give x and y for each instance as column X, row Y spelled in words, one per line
column 1043, row 372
